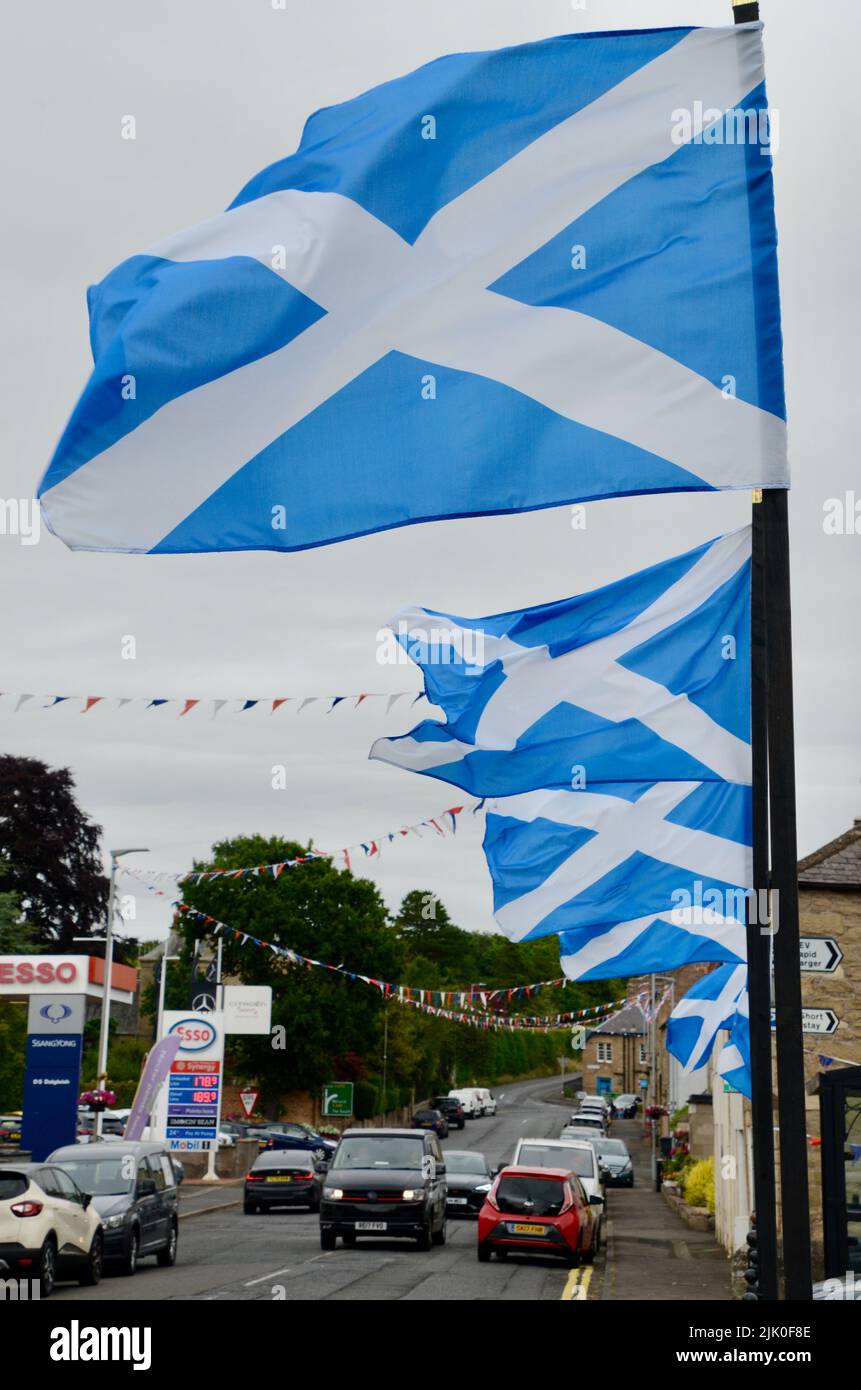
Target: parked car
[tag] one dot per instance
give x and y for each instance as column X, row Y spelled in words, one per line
column 283, row 1178
column 385, row 1182
column 10, row 1129
column 626, row 1107
column 538, row 1211
column 133, row 1189
column 291, row 1134
column 452, row 1109
column 49, row 1229
column 582, row 1132
column 468, row 1101
column 469, row 1178
column 591, row 1119
column 578, row 1155
column 486, row 1100
column 431, row 1119
column 614, row 1157
column 477, row 1094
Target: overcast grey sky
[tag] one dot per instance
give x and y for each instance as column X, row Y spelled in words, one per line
column 219, row 89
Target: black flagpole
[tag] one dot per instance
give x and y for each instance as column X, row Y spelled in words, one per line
column 771, row 630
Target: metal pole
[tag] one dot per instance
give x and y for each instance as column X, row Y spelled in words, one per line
column 653, row 1077
column 104, row 1022
column 210, row 1175
column 776, row 614
column 162, row 985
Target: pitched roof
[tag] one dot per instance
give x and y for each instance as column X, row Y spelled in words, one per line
column 631, row 1019
column 835, row 865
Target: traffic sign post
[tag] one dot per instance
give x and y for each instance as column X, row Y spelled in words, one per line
column 248, row 1100
column 821, row 1021
column 338, row 1099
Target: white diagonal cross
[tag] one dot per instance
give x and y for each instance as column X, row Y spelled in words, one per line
column 622, row 829
column 431, row 300
column 712, row 1013
column 600, row 947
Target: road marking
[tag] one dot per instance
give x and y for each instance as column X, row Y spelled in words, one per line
column 262, row 1280
column 577, row 1285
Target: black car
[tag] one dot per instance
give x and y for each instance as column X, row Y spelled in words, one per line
column 451, row 1108
column 469, row 1178
column 283, row 1178
column 427, row 1118
column 133, row 1187
column 384, row 1183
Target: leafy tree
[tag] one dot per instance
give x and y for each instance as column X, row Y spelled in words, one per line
column 16, row 937
column 49, row 852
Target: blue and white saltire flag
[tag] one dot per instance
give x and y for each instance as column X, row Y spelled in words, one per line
column 718, row 1001
column 661, row 856
column 655, row 942
column 506, row 281
column 644, row 680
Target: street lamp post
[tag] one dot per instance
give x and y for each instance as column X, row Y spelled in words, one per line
column 104, row 1026
column 161, row 991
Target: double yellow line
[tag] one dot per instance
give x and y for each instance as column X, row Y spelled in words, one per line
column 577, row 1284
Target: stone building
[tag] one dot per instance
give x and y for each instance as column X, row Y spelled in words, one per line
column 616, row 1057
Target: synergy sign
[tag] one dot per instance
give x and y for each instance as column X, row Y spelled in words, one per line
column 190, row 1102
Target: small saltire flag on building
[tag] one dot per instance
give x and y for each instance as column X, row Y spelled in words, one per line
column 647, row 679
column 587, row 860
column 718, row 1001
column 505, row 281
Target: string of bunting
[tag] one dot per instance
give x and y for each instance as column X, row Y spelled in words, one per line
column 189, row 703
column 445, row 821
column 453, row 1004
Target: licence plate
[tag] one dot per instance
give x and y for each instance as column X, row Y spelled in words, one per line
column 457, row 1201
column 520, row 1228
column 278, row 1178
column 370, row 1225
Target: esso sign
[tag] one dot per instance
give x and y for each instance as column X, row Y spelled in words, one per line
column 196, row 1034
column 30, row 974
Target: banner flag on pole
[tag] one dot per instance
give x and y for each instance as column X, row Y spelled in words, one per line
column 718, row 1001
column 646, row 679
column 562, row 253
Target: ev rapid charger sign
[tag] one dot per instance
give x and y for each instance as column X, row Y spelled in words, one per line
column 190, row 1100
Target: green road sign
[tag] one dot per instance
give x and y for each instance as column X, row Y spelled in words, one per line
column 338, row 1098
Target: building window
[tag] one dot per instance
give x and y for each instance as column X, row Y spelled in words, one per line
column 605, row 1052
column 644, row 1056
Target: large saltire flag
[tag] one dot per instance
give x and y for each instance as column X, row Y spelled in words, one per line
column 718, row 1001
column 641, row 854
column 644, row 680
column 505, row 281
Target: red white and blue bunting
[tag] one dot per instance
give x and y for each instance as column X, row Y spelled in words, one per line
column 182, row 705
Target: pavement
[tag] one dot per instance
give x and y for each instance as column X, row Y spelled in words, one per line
column 225, row 1255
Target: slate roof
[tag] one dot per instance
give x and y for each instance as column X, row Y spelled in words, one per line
column 629, row 1020
column 836, row 865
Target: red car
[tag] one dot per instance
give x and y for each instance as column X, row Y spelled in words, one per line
column 541, row 1211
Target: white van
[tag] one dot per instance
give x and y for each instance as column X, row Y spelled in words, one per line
column 469, row 1102
column 486, row 1100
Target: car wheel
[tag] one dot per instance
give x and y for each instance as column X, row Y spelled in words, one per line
column 589, row 1255
column 423, row 1241
column 573, row 1259
column 167, row 1256
column 319, row 1154
column 93, row 1272
column 439, row 1236
column 461, row 1124
column 314, row 1205
column 47, row 1268
column 328, row 1240
column 250, row 1208
column 130, row 1259
column 483, row 1252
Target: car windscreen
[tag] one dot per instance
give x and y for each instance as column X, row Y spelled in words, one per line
column 465, row 1163
column 102, row 1177
column 611, row 1146
column 579, row 1161
column 425, row 1115
column 389, row 1151
column 12, row 1185
column 532, row 1196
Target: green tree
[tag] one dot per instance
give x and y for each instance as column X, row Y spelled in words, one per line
column 17, row 937
column 49, row 852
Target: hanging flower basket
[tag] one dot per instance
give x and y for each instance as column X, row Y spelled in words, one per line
column 97, row 1100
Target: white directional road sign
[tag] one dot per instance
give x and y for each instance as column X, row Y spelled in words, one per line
column 820, row 955
column 816, row 1020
